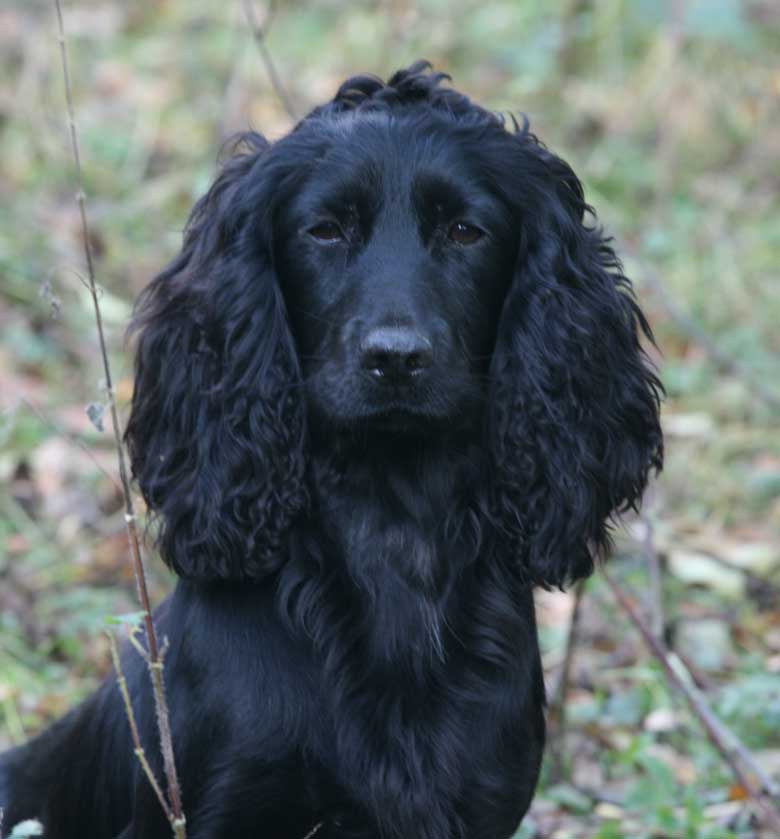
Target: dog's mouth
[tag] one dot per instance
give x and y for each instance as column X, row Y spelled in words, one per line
column 398, row 416
column 422, row 410
column 401, row 419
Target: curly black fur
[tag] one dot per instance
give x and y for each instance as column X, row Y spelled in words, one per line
column 392, row 382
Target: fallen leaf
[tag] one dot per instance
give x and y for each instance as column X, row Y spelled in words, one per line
column 700, row 569
column 738, row 793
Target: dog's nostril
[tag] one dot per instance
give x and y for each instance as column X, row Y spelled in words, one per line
column 395, row 353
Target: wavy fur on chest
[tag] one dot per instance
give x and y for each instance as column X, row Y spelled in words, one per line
column 425, row 633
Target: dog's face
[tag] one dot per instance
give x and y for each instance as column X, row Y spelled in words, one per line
column 395, row 259
column 402, row 262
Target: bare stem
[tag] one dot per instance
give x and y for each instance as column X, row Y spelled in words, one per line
column 722, row 360
column 557, row 708
column 70, row 438
column 130, row 514
column 655, row 573
column 314, row 831
column 138, row 747
column 734, row 752
column 259, row 33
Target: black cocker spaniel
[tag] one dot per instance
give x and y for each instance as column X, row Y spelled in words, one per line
column 392, row 382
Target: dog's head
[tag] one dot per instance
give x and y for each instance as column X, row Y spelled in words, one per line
column 403, row 265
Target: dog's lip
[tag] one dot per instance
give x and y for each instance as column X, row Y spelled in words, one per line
column 397, row 416
column 380, row 412
column 397, row 406
column 399, row 421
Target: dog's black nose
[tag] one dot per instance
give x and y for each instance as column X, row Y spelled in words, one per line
column 395, row 353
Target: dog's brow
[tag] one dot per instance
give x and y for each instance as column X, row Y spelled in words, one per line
column 455, row 195
column 343, row 201
column 433, row 188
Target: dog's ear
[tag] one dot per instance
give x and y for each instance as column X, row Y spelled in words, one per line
column 574, row 409
column 216, row 432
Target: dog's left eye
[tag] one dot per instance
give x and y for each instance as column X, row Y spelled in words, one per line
column 326, row 231
column 464, row 234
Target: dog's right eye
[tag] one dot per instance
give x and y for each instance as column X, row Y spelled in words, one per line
column 464, row 234
column 326, row 231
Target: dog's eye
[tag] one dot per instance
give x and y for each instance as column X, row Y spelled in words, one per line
column 326, row 231
column 464, row 234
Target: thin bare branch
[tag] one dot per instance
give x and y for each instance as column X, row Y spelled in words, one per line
column 166, row 738
column 655, row 573
column 130, row 514
column 556, row 713
column 722, row 360
column 130, row 713
column 314, row 831
column 69, row 438
column 751, row 777
column 259, row 33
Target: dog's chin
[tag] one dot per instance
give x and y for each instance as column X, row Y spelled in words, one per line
column 403, row 414
column 404, row 425
column 401, row 421
column 377, row 420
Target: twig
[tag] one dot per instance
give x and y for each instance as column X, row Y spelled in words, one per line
column 70, row 438
column 733, row 751
column 314, row 831
column 130, row 516
column 655, row 573
column 725, row 362
column 259, row 33
column 557, row 708
column 234, row 87
column 138, row 747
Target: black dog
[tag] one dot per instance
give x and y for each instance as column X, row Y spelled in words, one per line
column 392, row 382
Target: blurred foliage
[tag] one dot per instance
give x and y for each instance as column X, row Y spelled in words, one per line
column 670, row 113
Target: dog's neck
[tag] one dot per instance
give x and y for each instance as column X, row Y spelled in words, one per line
column 401, row 518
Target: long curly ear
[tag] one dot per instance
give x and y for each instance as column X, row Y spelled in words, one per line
column 216, row 432
column 574, row 409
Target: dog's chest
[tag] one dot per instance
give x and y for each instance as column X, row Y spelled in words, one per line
column 405, row 711
column 401, row 583
column 420, row 665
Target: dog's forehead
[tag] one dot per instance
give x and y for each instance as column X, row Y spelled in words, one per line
column 390, row 156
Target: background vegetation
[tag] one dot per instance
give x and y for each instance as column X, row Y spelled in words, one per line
column 670, row 112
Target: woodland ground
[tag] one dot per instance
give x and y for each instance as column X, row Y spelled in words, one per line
column 671, row 115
